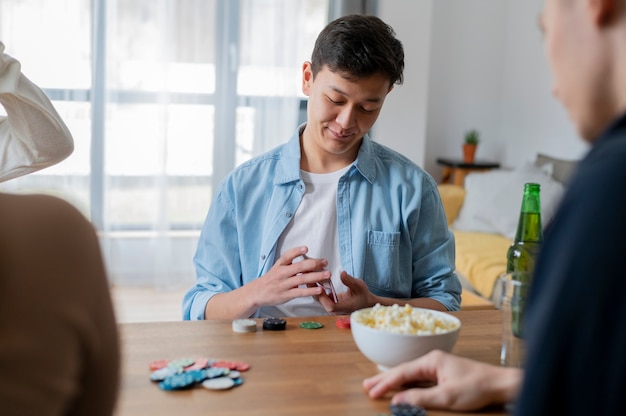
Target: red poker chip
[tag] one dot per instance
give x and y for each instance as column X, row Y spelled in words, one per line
column 199, row 364
column 158, row 364
column 232, row 365
column 239, row 366
column 343, row 322
column 224, row 364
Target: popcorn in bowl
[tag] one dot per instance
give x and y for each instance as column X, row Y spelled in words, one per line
column 405, row 320
column 391, row 335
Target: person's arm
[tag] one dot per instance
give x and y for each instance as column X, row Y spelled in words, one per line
column 434, row 280
column 221, row 292
column 279, row 285
column 32, row 135
column 451, row 383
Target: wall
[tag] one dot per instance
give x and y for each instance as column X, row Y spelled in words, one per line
column 532, row 120
column 473, row 64
column 466, row 77
column 402, row 123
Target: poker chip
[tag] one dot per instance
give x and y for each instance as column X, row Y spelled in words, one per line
column 244, row 325
column 161, row 374
column 232, row 365
column 178, row 365
column 198, row 375
column 155, row 365
column 178, row 381
column 215, row 372
column 343, row 322
column 241, row 366
column 274, row 324
column 220, row 383
column 311, row 325
column 183, row 373
column 404, row 409
column 181, row 362
column 199, row 364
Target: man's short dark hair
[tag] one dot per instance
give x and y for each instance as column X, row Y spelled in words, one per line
column 358, row 46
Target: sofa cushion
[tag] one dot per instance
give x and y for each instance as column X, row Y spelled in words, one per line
column 481, row 259
column 562, row 169
column 452, row 197
column 493, row 199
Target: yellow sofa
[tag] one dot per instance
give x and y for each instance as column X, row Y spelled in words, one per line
column 480, row 257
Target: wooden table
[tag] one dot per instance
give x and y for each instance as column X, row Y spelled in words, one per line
column 455, row 171
column 293, row 372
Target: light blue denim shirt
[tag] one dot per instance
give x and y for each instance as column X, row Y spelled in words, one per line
column 392, row 228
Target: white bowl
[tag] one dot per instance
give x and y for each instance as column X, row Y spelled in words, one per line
column 388, row 349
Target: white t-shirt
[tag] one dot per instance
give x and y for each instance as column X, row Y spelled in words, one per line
column 313, row 225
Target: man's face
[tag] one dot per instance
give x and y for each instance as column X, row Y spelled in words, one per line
column 577, row 58
column 340, row 110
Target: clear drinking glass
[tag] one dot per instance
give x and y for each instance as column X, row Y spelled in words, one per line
column 514, row 288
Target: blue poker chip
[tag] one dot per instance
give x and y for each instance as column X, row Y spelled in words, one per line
column 178, row 382
column 215, row 372
column 198, row 375
column 161, row 374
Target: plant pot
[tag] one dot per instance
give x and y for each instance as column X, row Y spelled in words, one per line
column 469, row 152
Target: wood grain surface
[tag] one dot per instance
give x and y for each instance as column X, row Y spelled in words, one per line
column 293, row 372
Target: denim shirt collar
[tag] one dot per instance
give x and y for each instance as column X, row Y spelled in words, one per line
column 288, row 169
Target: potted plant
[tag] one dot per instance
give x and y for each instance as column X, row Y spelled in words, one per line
column 472, row 137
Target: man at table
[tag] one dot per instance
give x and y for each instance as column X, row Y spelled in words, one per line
column 365, row 216
column 575, row 321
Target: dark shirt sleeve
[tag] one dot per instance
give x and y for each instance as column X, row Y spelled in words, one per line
column 576, row 316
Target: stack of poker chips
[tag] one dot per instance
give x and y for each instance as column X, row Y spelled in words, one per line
column 186, row 372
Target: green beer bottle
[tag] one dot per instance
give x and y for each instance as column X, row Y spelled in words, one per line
column 523, row 252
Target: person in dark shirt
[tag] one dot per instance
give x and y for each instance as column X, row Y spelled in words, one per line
column 576, row 314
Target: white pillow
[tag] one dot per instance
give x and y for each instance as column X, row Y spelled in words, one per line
column 478, row 186
column 493, row 199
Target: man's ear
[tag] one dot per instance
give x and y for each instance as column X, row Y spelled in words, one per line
column 307, row 77
column 604, row 12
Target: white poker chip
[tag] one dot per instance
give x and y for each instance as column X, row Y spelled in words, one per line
column 220, row 383
column 244, row 325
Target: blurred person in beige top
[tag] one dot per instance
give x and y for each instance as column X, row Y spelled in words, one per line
column 32, row 134
column 59, row 348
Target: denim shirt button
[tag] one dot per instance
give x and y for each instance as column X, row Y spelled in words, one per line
column 288, row 214
column 262, row 256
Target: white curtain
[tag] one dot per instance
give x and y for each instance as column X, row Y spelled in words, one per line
column 137, row 83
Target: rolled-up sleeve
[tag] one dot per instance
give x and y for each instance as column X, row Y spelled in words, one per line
column 218, row 268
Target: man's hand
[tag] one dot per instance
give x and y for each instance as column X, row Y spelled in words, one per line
column 281, row 283
column 357, row 296
column 461, row 384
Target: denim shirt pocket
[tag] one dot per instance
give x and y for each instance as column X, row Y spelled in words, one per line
column 382, row 262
